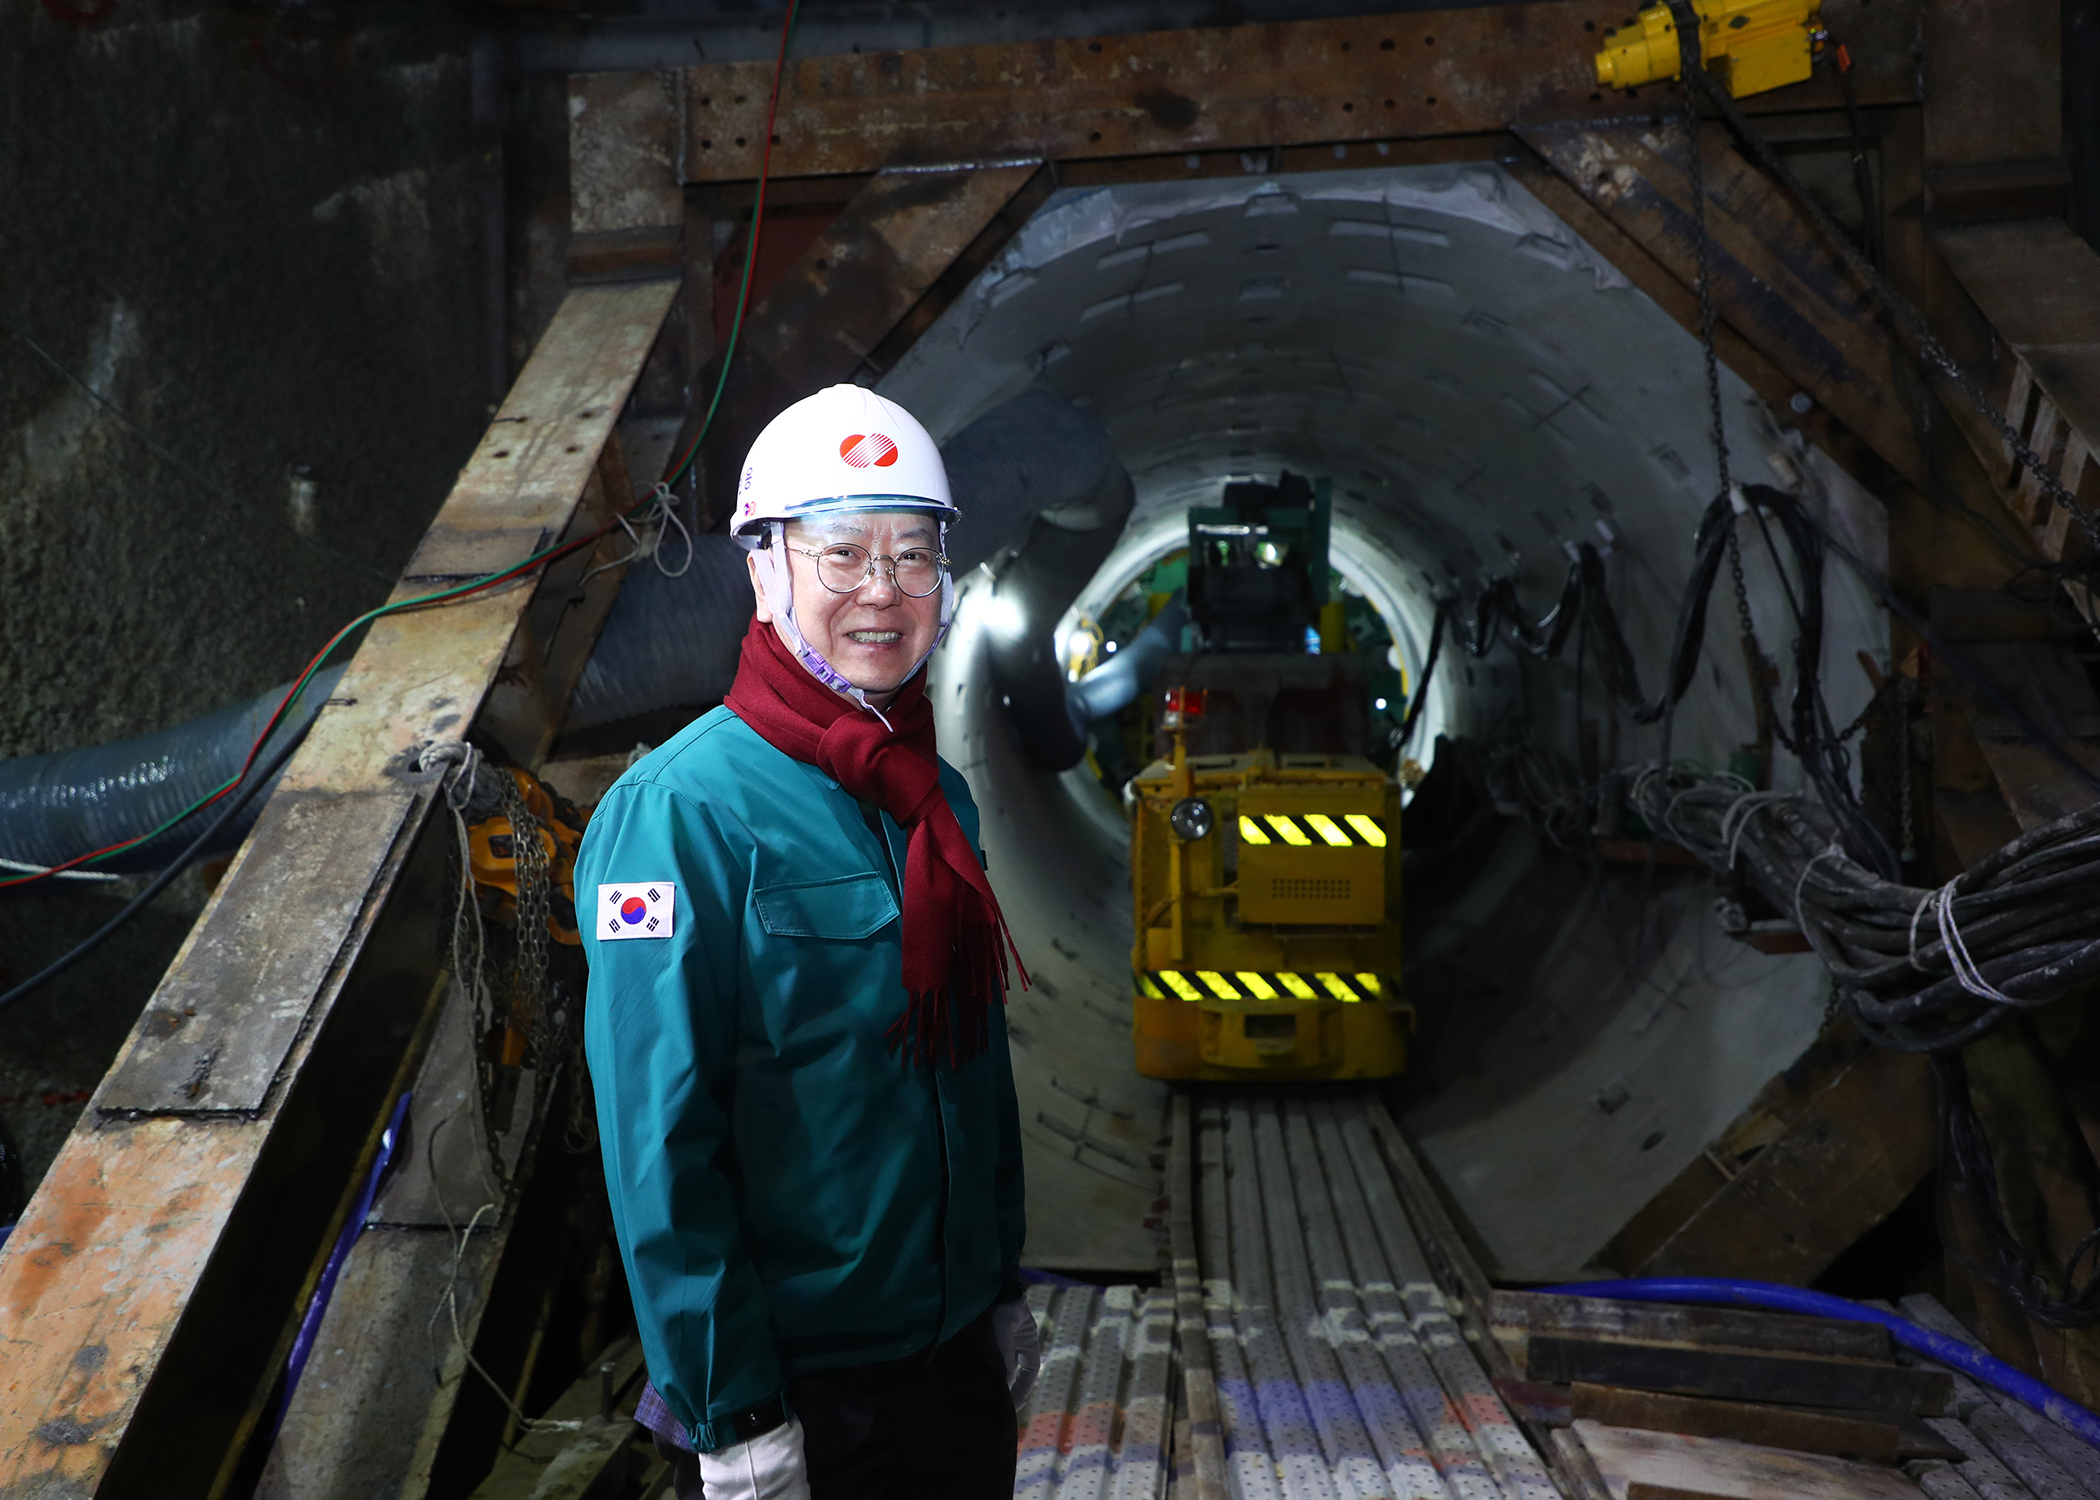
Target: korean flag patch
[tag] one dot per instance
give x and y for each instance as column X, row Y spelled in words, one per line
column 643, row 909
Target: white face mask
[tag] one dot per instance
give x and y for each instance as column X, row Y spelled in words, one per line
column 780, row 597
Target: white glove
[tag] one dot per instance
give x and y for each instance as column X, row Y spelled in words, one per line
column 769, row 1467
column 1020, row 1348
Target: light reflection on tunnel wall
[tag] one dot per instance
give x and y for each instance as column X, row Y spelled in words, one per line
column 1484, row 392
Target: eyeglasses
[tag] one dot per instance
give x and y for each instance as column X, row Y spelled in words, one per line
column 843, row 567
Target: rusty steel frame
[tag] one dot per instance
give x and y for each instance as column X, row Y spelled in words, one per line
column 1241, row 88
column 154, row 1278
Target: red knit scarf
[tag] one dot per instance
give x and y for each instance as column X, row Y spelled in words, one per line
column 954, row 957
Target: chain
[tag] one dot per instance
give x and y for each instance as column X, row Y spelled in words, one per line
column 1702, row 250
column 532, row 996
column 1929, row 348
column 532, row 1003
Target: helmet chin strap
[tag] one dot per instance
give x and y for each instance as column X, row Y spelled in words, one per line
column 780, row 595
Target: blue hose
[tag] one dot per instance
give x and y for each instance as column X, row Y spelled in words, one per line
column 1995, row 1373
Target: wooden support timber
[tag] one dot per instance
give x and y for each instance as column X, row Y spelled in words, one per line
column 1796, row 1180
column 151, row 1287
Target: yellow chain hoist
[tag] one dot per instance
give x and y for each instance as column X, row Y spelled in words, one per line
column 494, row 849
column 1754, row 45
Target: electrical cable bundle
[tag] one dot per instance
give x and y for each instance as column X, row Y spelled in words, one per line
column 1920, row 970
column 1497, row 615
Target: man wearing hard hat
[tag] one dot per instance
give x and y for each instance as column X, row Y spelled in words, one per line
column 795, row 1024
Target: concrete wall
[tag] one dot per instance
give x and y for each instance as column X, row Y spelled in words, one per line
column 256, row 237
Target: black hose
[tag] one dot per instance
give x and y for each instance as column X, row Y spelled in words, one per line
column 257, row 778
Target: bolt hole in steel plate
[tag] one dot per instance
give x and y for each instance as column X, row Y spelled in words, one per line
column 1192, row 818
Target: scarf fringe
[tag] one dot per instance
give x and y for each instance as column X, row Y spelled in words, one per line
column 955, row 1020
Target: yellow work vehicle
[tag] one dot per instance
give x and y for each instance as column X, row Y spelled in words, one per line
column 1264, row 854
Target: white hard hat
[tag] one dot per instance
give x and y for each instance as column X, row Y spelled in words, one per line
column 843, row 449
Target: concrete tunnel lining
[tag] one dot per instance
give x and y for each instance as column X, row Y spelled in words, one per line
column 1484, row 389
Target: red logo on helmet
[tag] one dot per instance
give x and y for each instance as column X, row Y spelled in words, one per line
column 862, row 449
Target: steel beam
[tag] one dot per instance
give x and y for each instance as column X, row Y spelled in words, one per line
column 1774, row 280
column 2038, row 287
column 1242, row 88
column 841, row 305
column 151, row 1281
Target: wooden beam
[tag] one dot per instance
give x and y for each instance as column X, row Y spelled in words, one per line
column 850, row 291
column 1237, row 88
column 1774, row 280
column 1519, row 1315
column 1739, row 1375
column 152, row 1275
column 1672, row 1466
column 1783, row 1100
column 1838, row 1434
column 1838, row 1168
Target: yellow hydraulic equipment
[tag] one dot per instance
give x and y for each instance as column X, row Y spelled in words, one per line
column 1754, row 45
column 493, row 846
column 1267, row 896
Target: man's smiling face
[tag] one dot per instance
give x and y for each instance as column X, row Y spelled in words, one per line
column 876, row 634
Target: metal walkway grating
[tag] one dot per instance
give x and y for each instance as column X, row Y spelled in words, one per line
column 1097, row 1422
column 1339, row 1372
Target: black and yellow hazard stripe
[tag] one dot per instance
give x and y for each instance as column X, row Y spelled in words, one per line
column 1212, row 985
column 1312, row 830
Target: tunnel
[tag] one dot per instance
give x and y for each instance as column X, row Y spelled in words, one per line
column 1418, row 471
column 1480, row 393
column 1483, row 390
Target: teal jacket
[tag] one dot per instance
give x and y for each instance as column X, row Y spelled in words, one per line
column 788, row 1195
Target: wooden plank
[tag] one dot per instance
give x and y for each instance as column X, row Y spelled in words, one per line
column 1738, row 1374
column 1663, row 1466
column 139, row 1219
column 1241, row 88
column 1516, row 1316
column 1774, row 280
column 1838, row 1435
column 1577, row 1470
column 1837, row 1170
column 850, row 289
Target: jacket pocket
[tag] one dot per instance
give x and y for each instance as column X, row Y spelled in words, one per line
column 848, row 907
